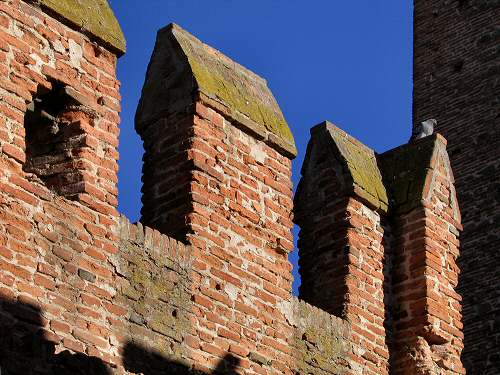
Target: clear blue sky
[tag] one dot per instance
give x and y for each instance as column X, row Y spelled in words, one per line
column 349, row 62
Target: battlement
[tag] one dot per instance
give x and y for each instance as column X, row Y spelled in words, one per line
column 378, row 238
column 203, row 283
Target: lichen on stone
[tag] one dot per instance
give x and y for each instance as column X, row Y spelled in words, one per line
column 236, row 87
column 156, row 292
column 92, row 16
column 360, row 163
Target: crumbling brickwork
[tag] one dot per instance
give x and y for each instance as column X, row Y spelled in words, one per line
column 83, row 290
column 426, row 310
column 203, row 284
column 456, row 82
column 236, row 197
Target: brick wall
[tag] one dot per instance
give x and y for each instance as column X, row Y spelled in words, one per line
column 426, row 308
column 58, row 219
column 456, row 82
column 236, row 199
column 85, row 291
column 242, row 235
column 343, row 260
column 162, row 329
column 203, row 284
column 322, row 343
column 153, row 281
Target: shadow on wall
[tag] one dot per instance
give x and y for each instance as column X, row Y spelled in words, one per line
column 143, row 361
column 26, row 348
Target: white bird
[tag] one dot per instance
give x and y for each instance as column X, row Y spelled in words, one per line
column 424, row 129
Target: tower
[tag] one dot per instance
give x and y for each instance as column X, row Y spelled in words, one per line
column 456, row 81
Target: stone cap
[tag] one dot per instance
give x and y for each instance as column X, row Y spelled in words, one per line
column 92, row 17
column 359, row 163
column 190, row 70
column 396, row 181
column 244, row 93
column 407, row 170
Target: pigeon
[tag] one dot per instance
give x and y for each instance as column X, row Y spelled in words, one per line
column 424, row 129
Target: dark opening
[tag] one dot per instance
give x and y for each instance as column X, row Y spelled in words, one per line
column 458, row 66
column 52, row 140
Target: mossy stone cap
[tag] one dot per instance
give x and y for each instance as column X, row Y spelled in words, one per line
column 360, row 165
column 205, row 73
column 93, row 17
column 243, row 91
column 407, row 168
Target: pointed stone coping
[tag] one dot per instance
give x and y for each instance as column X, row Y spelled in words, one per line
column 407, row 171
column 92, row 17
column 221, row 83
column 396, row 181
column 359, row 162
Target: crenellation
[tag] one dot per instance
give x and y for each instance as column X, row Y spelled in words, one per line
column 383, row 268
column 203, row 283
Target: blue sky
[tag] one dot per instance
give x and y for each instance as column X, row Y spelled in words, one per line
column 349, row 62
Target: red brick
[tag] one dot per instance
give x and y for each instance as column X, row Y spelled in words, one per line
column 73, row 345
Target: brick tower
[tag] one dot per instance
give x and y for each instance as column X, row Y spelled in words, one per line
column 456, row 81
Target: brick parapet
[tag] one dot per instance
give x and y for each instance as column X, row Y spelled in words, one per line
column 318, row 341
column 241, row 236
column 427, row 309
column 391, row 274
column 342, row 243
column 209, row 288
column 56, row 279
column 236, row 198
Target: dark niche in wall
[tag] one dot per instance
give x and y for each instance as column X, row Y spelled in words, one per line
column 54, row 139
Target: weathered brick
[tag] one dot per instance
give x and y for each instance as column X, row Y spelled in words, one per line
column 213, row 289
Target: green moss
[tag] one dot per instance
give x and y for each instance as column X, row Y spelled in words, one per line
column 92, row 16
column 239, row 89
column 233, row 93
column 362, row 165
